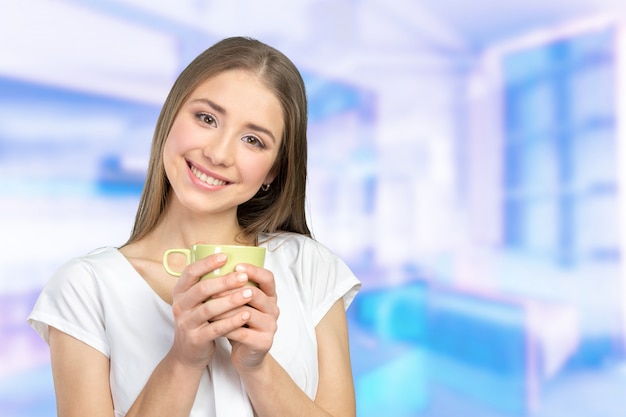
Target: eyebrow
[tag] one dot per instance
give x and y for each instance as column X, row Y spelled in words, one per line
column 223, row 111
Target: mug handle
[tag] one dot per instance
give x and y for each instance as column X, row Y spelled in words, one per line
column 166, row 264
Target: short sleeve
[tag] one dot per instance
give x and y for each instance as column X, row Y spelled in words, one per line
column 70, row 302
column 330, row 279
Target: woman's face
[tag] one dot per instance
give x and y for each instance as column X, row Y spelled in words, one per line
column 223, row 143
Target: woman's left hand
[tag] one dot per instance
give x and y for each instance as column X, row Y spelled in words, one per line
column 251, row 343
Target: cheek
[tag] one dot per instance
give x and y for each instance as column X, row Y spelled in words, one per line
column 260, row 170
column 175, row 141
column 167, row 151
column 169, row 155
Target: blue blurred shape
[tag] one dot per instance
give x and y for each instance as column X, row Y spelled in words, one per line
column 474, row 345
column 328, row 98
column 397, row 388
column 560, row 135
column 28, row 394
column 480, row 347
column 395, row 314
column 387, row 328
column 117, row 177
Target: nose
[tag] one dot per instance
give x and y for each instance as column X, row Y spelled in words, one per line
column 219, row 149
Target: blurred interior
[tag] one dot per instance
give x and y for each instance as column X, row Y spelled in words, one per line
column 466, row 160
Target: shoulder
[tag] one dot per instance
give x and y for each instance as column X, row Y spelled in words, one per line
column 73, row 300
column 296, row 245
column 104, row 255
column 322, row 276
column 93, row 264
column 311, row 259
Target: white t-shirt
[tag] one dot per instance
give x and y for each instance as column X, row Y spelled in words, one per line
column 101, row 300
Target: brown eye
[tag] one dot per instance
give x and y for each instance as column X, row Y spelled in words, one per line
column 254, row 141
column 206, row 118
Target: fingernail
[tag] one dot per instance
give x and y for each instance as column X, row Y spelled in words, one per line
column 221, row 257
column 242, row 277
column 247, row 293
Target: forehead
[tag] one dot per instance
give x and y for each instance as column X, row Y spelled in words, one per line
column 243, row 97
column 239, row 90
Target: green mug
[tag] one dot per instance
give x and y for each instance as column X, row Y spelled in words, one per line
column 254, row 255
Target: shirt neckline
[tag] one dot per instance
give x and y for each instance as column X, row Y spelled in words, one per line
column 144, row 283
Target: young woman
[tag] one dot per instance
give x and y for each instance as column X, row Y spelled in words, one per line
column 227, row 166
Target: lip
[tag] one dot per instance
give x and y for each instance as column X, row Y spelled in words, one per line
column 207, row 173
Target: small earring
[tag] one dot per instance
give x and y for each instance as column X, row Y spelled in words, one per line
column 265, row 187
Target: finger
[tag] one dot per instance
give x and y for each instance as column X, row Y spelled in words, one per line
column 243, row 295
column 192, row 290
column 220, row 308
column 222, row 286
column 263, row 310
column 259, row 302
column 258, row 332
column 261, row 276
column 231, row 313
column 232, row 282
column 225, row 326
column 193, row 272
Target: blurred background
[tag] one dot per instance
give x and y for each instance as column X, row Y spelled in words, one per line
column 466, row 160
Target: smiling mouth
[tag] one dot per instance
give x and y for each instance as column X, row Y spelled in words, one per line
column 205, row 178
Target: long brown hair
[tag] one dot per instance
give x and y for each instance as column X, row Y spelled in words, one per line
column 282, row 206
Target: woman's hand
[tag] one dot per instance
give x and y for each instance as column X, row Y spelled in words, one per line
column 251, row 343
column 206, row 309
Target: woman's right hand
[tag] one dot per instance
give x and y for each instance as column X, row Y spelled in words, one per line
column 197, row 306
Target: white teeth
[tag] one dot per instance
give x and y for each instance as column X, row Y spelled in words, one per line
column 205, row 178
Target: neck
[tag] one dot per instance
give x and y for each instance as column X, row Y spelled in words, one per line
column 181, row 228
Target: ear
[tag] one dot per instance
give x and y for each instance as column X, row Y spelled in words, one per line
column 271, row 176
